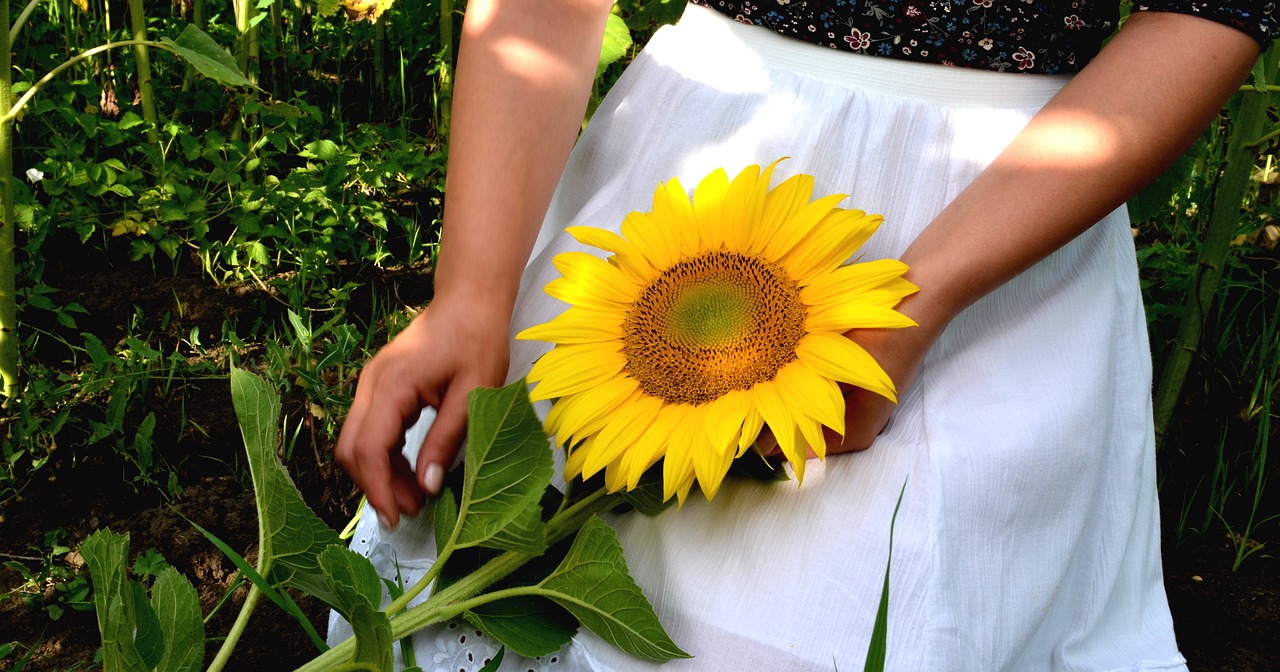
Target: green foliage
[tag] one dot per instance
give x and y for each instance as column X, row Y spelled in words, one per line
column 165, row 632
column 507, row 468
column 592, row 583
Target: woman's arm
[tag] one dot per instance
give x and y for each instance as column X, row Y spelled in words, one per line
column 1111, row 130
column 524, row 74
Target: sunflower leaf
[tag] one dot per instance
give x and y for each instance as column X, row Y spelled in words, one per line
column 373, row 638
column 106, row 552
column 593, row 584
column 508, row 467
column 291, row 533
column 646, row 497
column 177, row 607
column 348, row 581
column 529, row 625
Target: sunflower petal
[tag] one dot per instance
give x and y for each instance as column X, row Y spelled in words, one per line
column 812, row 395
column 587, row 413
column 839, row 319
column 851, row 280
column 576, row 457
column 829, row 244
column 743, row 207
column 839, row 358
column 708, row 208
column 591, row 279
column 650, row 240
column 751, row 427
column 577, row 325
column 629, row 260
column 677, row 466
column 779, row 418
column 653, row 443
column 569, row 369
column 627, row 423
column 780, row 205
column 710, row 464
column 801, row 224
column 725, row 417
column 673, row 212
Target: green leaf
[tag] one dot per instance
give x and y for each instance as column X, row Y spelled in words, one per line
column 877, row 648
column 617, row 40
column 593, row 584
column 292, row 536
column 325, row 150
column 147, row 636
column 646, row 497
column 444, row 515
column 373, row 637
column 327, row 7
column 177, row 607
column 532, row 626
column 508, row 467
column 106, row 554
column 494, row 664
column 348, row 580
column 208, row 57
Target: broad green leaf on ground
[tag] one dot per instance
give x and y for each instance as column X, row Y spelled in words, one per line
column 617, row 40
column 593, row 584
column 146, row 635
column 531, row 626
column 177, row 607
column 508, row 467
column 327, row 7
column 107, row 553
column 373, row 637
column 291, row 536
column 208, row 57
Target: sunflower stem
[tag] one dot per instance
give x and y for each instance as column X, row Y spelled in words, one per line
column 455, row 598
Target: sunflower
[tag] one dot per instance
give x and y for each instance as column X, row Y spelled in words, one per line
column 711, row 318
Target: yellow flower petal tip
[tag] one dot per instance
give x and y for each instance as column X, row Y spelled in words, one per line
column 717, row 313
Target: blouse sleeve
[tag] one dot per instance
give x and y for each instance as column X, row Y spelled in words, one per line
column 1257, row 18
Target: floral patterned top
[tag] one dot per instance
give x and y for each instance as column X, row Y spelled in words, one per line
column 1030, row 36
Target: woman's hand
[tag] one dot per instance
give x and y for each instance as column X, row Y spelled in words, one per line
column 523, row 78
column 446, row 351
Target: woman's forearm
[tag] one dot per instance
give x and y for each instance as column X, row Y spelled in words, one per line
column 524, row 75
column 1106, row 134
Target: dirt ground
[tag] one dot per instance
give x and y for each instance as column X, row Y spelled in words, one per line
column 1226, row 621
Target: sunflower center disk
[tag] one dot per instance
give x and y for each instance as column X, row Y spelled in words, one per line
column 710, row 324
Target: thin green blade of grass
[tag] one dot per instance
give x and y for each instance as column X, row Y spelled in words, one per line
column 877, row 650
column 279, row 598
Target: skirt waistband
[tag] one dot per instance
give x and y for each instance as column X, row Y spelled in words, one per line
column 710, row 37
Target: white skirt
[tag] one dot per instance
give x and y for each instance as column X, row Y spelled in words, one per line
column 1028, row 538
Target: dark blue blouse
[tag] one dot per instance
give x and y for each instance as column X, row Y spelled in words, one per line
column 1032, row 36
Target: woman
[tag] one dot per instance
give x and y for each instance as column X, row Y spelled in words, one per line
column 1028, row 536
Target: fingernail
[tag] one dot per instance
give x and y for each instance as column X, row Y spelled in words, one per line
column 433, row 479
column 385, row 522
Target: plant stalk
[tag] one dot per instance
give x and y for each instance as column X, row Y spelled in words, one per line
column 1233, row 183
column 138, row 21
column 237, row 629
column 8, row 268
column 450, row 601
